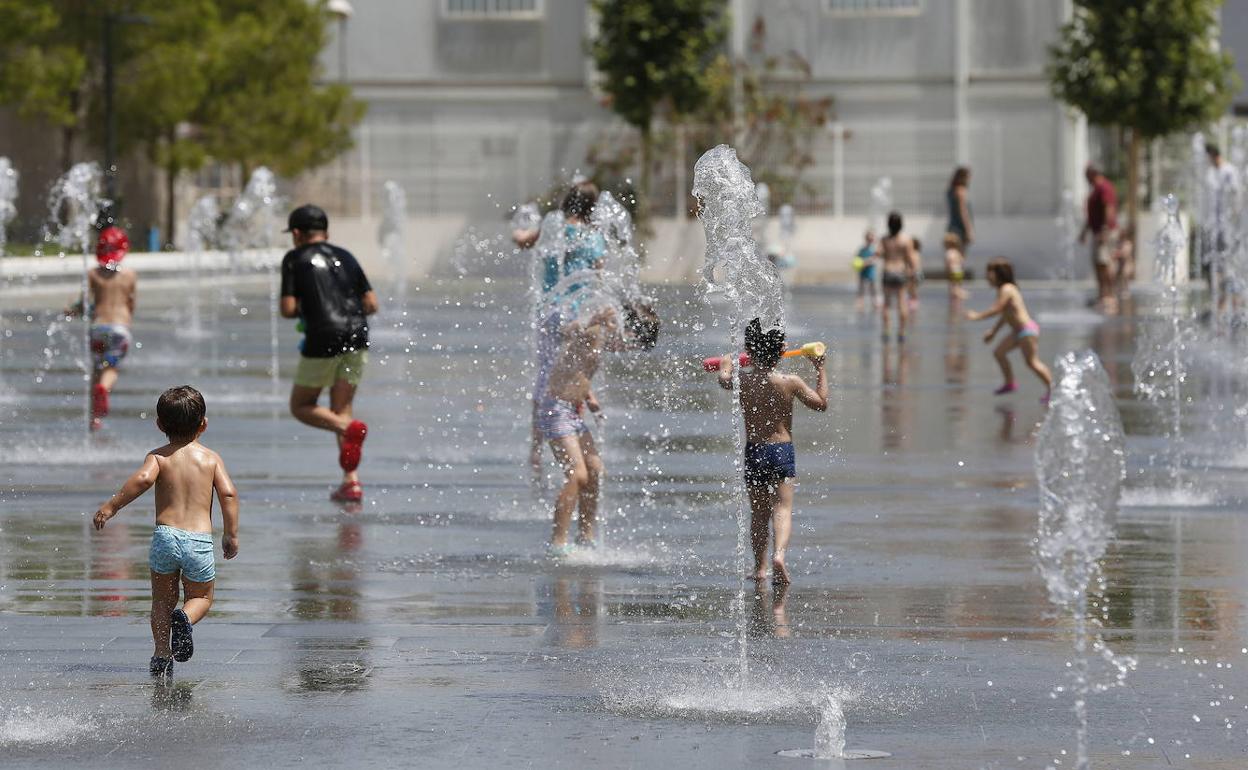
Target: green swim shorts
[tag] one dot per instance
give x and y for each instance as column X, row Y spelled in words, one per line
column 324, row 372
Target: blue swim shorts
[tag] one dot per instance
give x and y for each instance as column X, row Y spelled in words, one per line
column 769, row 464
column 557, row 418
column 176, row 549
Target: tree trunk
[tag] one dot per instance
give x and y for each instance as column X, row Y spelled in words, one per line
column 1133, row 178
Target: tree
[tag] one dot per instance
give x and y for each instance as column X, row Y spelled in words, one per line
column 45, row 64
column 267, row 107
column 1150, row 66
column 778, row 121
column 233, row 81
column 652, row 56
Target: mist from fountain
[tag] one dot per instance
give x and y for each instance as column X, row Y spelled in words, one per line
column 1159, row 365
column 74, row 204
column 1080, row 464
column 391, row 236
column 251, row 225
column 8, row 200
column 202, row 229
column 1068, row 233
column 736, row 271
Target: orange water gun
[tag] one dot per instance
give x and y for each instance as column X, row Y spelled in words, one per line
column 810, row 350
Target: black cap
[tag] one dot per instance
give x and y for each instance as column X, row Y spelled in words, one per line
column 307, row 217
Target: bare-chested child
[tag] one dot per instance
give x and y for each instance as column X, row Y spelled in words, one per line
column 112, row 291
column 770, row 463
column 185, row 474
column 899, row 262
column 1024, row 334
column 568, row 392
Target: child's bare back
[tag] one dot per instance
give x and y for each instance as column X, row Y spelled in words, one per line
column 187, row 475
column 112, row 295
column 767, row 404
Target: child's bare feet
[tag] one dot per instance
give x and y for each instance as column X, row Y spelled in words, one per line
column 780, row 573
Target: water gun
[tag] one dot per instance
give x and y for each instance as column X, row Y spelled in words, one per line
column 810, row 350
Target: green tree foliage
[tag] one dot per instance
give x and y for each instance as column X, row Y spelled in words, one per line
column 234, row 81
column 1150, row 66
column 778, row 120
column 652, row 57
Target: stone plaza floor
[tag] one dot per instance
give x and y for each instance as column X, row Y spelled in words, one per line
column 427, row 628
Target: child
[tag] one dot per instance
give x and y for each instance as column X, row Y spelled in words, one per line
column 916, row 276
column 1025, row 331
column 770, row 464
column 864, row 264
column 185, row 473
column 112, row 291
column 898, row 264
column 954, row 267
column 567, row 391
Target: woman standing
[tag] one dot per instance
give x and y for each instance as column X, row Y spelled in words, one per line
column 958, row 199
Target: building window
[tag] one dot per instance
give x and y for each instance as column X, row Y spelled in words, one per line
column 873, row 7
column 491, row 9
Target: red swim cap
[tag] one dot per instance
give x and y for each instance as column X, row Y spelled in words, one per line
column 112, row 246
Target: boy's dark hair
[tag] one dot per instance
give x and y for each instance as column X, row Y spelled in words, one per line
column 181, row 411
column 643, row 323
column 764, row 348
column 580, row 200
column 1001, row 267
column 1212, row 150
column 894, row 222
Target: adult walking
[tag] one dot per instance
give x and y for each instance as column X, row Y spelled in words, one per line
column 958, row 201
column 1102, row 224
column 325, row 286
column 1222, row 192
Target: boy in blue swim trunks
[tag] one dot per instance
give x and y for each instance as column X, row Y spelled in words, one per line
column 770, row 464
column 185, row 474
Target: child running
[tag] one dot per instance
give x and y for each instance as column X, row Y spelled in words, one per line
column 770, row 463
column 567, row 391
column 112, row 291
column 899, row 260
column 864, row 264
column 1025, row 332
column 185, row 473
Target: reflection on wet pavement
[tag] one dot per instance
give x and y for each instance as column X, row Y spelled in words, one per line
column 426, row 625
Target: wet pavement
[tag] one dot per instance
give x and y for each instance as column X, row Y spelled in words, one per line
column 426, row 628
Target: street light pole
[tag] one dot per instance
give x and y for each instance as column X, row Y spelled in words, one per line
column 342, row 10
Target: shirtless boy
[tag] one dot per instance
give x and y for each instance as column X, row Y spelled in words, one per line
column 112, row 291
column 185, row 474
column 770, row 464
column 1024, row 334
column 568, row 391
column 899, row 263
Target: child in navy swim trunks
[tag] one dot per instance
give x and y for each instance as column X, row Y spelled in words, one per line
column 185, row 474
column 770, row 465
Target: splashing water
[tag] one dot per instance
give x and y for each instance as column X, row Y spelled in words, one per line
column 1158, row 365
column 202, row 233
column 8, row 196
column 1080, row 464
column 74, row 205
column 391, row 237
column 736, row 270
column 251, row 224
column 830, row 733
column 881, row 204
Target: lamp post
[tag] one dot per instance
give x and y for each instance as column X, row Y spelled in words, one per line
column 341, row 10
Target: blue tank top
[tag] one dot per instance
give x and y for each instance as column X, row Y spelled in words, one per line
column 585, row 247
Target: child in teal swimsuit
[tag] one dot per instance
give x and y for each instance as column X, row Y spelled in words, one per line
column 864, row 264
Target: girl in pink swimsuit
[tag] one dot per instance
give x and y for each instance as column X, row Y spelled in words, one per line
column 1011, row 309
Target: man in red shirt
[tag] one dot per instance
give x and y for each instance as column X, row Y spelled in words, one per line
column 1102, row 222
